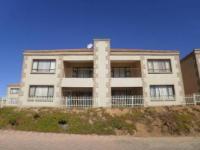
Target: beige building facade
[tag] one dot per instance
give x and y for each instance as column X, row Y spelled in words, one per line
column 101, row 77
column 13, row 92
column 190, row 66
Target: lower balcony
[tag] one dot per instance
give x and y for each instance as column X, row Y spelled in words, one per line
column 127, row 97
column 77, row 97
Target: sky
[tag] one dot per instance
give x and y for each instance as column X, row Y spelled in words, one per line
column 58, row 24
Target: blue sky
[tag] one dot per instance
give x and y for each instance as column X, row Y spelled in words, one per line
column 50, row 24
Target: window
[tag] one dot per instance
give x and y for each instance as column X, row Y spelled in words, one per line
column 121, row 72
column 159, row 66
column 41, row 91
column 14, row 90
column 162, row 92
column 43, row 66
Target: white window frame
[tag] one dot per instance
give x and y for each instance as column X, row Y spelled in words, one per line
column 49, row 70
column 34, row 88
column 156, row 92
column 159, row 66
column 14, row 89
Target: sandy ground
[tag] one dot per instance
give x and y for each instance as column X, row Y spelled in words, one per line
column 17, row 140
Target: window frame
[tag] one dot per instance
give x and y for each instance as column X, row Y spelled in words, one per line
column 48, row 70
column 36, row 86
column 160, row 97
column 11, row 89
column 126, row 72
column 159, row 72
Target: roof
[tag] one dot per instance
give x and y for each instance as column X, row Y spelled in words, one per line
column 84, row 50
column 196, row 50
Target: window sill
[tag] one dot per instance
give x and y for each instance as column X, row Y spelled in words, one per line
column 160, row 73
column 42, row 72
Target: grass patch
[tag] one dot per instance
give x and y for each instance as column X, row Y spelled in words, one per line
column 100, row 121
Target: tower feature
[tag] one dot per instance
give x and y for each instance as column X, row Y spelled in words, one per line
column 102, row 88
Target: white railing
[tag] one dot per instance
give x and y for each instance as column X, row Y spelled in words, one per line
column 3, row 101
column 163, row 98
column 79, row 101
column 192, row 99
column 40, row 99
column 127, row 101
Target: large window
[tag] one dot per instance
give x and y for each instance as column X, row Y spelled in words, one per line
column 159, row 66
column 43, row 66
column 162, row 92
column 14, row 90
column 41, row 91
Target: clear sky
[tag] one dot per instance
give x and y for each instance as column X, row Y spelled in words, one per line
column 50, row 24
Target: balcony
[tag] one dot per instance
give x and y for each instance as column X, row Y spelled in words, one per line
column 77, row 97
column 78, row 74
column 127, row 97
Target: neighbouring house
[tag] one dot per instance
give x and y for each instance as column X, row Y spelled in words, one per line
column 13, row 92
column 101, row 76
column 190, row 66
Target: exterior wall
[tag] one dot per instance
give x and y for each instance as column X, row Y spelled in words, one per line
column 39, row 79
column 11, row 96
column 190, row 74
column 174, row 78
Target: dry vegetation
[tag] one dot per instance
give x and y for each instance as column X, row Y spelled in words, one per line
column 158, row 121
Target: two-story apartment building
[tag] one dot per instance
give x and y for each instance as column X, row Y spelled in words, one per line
column 190, row 66
column 101, row 77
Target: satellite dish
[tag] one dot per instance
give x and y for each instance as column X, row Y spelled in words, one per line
column 90, row 45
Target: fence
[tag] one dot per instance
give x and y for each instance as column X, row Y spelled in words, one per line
column 2, row 101
column 40, row 99
column 89, row 102
column 79, row 101
column 192, row 99
column 127, row 101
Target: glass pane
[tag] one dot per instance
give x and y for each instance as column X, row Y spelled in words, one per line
column 41, row 91
column 35, row 63
column 32, row 92
column 53, row 65
column 51, row 91
column 44, row 65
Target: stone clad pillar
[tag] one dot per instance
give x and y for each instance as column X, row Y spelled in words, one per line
column 102, row 88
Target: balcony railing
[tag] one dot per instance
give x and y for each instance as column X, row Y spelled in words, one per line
column 40, row 99
column 159, row 70
column 79, row 101
column 127, row 101
column 80, row 73
column 125, row 72
column 163, row 98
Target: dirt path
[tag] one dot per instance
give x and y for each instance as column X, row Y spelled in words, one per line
column 16, row 140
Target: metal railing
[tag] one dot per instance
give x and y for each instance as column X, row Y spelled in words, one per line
column 80, row 73
column 3, row 101
column 127, row 101
column 40, row 99
column 125, row 72
column 79, row 101
column 159, row 70
column 163, row 98
column 192, row 99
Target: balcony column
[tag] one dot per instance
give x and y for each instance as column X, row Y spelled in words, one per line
column 102, row 88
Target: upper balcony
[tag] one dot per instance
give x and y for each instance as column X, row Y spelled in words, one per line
column 126, row 74
column 78, row 74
